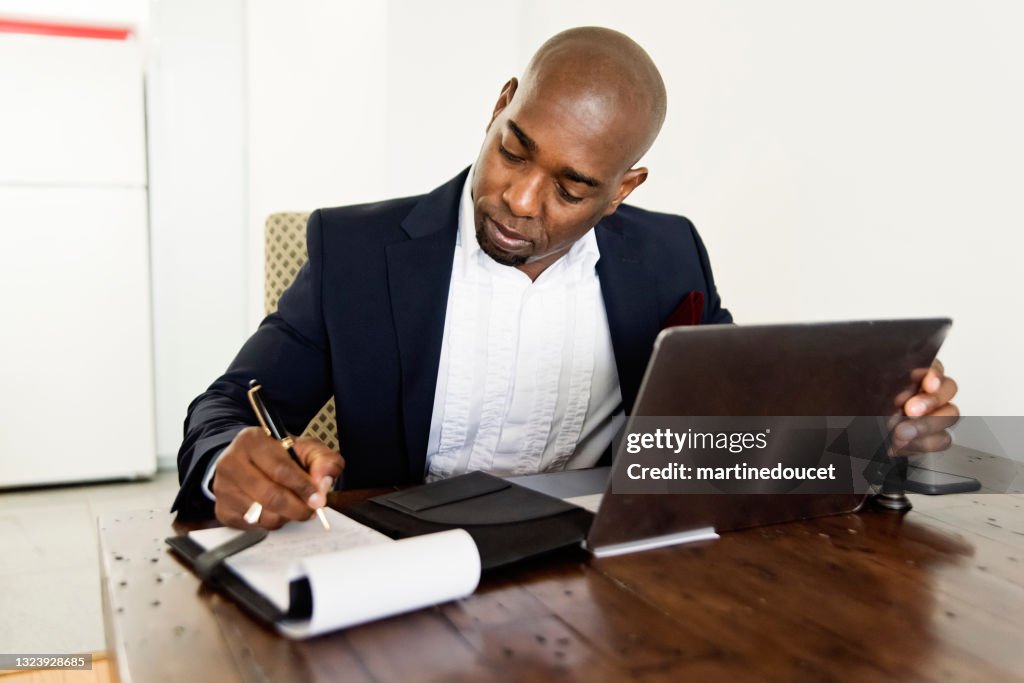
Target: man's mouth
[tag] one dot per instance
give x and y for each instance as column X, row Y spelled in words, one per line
column 506, row 238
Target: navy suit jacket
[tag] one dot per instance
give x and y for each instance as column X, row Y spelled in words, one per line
column 365, row 316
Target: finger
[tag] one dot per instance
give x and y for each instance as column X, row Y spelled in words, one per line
column 245, row 476
column 231, row 506
column 277, row 500
column 243, row 472
column 276, row 464
column 932, row 443
column 227, row 515
column 253, row 480
column 325, row 465
column 270, row 521
column 932, row 382
column 933, row 379
column 902, row 398
column 926, row 403
column 915, row 427
column 237, row 502
column 262, row 468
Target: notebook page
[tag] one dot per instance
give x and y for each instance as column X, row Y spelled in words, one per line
column 266, row 565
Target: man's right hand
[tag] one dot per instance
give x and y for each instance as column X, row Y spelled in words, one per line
column 256, row 468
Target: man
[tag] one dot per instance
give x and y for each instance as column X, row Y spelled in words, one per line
column 501, row 322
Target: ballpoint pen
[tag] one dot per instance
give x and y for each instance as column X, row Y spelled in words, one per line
column 273, row 429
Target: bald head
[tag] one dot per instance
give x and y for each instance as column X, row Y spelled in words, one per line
column 604, row 75
column 562, row 144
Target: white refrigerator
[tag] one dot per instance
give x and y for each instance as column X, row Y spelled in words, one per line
column 76, row 347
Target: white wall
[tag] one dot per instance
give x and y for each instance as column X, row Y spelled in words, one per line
column 444, row 76
column 317, row 107
column 198, row 200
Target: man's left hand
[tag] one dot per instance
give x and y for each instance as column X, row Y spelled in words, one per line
column 931, row 413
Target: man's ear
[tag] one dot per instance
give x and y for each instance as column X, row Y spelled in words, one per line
column 504, row 99
column 632, row 179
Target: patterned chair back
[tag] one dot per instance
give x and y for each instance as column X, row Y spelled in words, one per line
column 285, row 252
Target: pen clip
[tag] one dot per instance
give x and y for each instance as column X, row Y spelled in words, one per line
column 257, row 405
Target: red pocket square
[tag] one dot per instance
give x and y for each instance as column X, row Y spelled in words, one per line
column 688, row 312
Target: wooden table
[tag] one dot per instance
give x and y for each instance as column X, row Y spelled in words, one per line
column 937, row 594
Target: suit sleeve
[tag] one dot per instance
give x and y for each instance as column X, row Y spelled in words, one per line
column 288, row 353
column 714, row 313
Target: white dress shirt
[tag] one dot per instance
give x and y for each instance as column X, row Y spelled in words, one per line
column 527, row 380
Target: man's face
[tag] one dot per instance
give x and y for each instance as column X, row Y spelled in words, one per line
column 549, row 169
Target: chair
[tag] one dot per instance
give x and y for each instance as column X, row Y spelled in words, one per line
column 284, row 253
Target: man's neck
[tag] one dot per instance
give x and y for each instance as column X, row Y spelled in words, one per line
column 533, row 269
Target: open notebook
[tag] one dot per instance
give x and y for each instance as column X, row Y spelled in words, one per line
column 305, row 581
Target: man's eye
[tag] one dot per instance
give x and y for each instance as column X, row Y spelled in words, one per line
column 572, row 199
column 507, row 154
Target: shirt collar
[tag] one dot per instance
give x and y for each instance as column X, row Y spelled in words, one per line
column 580, row 260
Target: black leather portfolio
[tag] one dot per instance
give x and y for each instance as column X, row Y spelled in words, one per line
column 508, row 522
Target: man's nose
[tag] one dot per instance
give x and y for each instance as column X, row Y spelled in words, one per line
column 523, row 195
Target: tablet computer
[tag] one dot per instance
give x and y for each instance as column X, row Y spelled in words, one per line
column 861, row 368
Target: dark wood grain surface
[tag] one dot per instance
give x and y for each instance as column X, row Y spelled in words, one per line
column 937, row 594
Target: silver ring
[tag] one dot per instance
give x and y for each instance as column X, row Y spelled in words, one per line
column 252, row 515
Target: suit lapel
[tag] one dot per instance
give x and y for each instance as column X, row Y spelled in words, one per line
column 630, row 299
column 419, row 272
